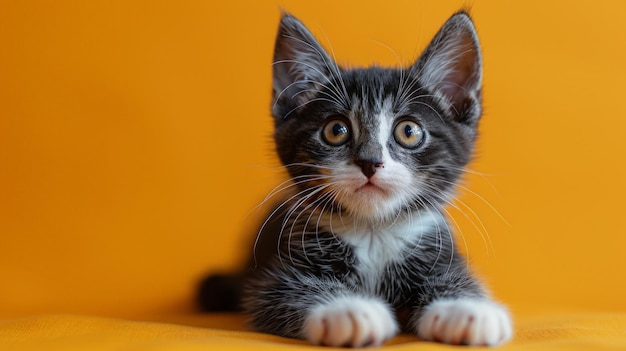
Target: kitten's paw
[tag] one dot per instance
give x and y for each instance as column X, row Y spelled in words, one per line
column 350, row 322
column 465, row 321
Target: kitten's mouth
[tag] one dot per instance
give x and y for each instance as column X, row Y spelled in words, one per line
column 370, row 186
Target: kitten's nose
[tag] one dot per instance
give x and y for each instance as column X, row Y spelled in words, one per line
column 368, row 167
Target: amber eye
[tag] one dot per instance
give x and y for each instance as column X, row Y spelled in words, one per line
column 336, row 132
column 409, row 134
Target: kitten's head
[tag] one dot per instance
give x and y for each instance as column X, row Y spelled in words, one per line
column 376, row 142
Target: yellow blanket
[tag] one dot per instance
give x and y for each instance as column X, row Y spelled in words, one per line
column 580, row 331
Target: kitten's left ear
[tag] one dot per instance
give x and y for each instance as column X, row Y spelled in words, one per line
column 451, row 66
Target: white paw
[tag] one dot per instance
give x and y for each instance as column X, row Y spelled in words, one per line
column 350, row 322
column 465, row 321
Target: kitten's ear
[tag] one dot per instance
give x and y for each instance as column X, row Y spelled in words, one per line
column 301, row 65
column 451, row 66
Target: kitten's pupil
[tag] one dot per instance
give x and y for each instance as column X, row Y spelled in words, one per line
column 339, row 129
column 409, row 131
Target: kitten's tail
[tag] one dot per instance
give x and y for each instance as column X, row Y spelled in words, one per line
column 220, row 293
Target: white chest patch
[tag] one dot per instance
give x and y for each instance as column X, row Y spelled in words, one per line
column 376, row 247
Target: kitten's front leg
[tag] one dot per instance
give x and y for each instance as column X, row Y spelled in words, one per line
column 320, row 310
column 474, row 322
column 350, row 321
column 457, row 312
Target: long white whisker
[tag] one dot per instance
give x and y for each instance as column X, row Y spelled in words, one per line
column 328, row 66
column 304, row 104
column 334, row 69
column 482, row 230
column 481, row 198
column 270, row 216
column 286, row 185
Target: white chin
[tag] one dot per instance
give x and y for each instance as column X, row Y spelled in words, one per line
column 372, row 203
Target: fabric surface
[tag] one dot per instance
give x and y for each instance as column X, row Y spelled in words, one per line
column 576, row 331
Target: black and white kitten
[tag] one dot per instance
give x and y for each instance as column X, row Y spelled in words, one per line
column 361, row 247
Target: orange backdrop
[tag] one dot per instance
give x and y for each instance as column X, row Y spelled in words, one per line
column 134, row 142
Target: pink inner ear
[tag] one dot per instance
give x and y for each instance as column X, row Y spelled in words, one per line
column 454, row 92
column 462, row 73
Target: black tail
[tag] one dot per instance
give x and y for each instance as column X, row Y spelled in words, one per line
column 220, row 293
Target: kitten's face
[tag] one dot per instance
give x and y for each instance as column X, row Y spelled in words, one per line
column 374, row 143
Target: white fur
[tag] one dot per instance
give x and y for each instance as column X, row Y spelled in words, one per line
column 385, row 126
column 376, row 247
column 350, row 321
column 465, row 321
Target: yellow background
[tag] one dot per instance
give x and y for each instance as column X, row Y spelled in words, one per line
column 135, row 141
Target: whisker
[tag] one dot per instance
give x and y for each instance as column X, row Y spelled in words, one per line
column 335, row 69
column 464, row 188
column 304, row 104
column 270, row 217
column 331, row 70
column 433, row 206
column 291, row 184
column 482, row 230
column 314, row 68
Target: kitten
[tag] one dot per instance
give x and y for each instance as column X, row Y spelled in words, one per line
column 361, row 247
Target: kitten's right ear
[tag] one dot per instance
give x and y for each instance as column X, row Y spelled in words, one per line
column 301, row 66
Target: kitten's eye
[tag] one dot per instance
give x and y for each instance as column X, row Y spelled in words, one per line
column 336, row 132
column 408, row 134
